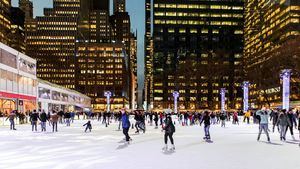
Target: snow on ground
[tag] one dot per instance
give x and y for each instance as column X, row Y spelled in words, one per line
column 233, row 147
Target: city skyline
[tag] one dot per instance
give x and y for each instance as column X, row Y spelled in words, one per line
column 135, row 8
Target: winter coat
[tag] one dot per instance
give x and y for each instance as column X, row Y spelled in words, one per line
column 206, row 120
column 11, row 116
column 264, row 116
column 34, row 117
column 88, row 125
column 223, row 116
column 169, row 126
column 274, row 117
column 54, row 118
column 67, row 115
column 125, row 121
column 283, row 120
column 43, row 117
column 155, row 117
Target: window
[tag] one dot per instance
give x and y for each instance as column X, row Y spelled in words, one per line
column 8, row 59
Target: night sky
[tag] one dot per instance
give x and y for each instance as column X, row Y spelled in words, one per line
column 136, row 11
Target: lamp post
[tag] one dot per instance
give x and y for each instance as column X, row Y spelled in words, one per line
column 107, row 94
column 286, row 77
column 222, row 92
column 246, row 96
column 175, row 95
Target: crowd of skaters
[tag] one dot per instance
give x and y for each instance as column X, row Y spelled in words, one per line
column 281, row 120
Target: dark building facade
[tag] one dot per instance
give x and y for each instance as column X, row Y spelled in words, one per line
column 103, row 55
column 17, row 29
column 5, row 21
column 102, row 67
column 272, row 43
column 52, row 42
column 197, row 50
column 148, row 81
column 27, row 7
column 119, row 6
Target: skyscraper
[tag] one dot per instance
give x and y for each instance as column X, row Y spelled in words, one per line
column 197, row 50
column 119, row 6
column 271, row 32
column 17, row 38
column 121, row 26
column 148, row 84
column 52, row 42
column 5, row 21
column 103, row 60
column 27, row 7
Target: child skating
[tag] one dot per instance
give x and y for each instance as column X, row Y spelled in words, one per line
column 88, row 126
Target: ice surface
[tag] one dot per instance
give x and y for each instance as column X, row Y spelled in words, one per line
column 233, row 147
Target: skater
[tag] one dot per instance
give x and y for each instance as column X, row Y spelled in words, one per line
column 263, row 123
column 67, row 118
column 274, row 119
column 223, row 119
column 54, row 120
column 139, row 122
column 125, row 125
column 33, row 119
column 119, row 117
column 290, row 127
column 169, row 131
column 283, row 122
column 247, row 117
column 156, row 120
column 235, row 118
column 206, row 120
column 43, row 117
column 11, row 118
column 88, row 126
column 104, row 121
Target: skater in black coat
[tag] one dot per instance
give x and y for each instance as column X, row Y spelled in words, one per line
column 88, row 126
column 169, row 131
column 33, row 119
column 206, row 120
column 156, row 120
column 43, row 117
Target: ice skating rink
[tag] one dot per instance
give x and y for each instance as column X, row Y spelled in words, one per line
column 233, row 147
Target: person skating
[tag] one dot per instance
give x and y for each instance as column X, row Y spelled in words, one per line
column 223, row 119
column 263, row 123
column 156, row 120
column 169, row 131
column 206, row 121
column 283, row 122
column 274, row 118
column 43, row 117
column 235, row 118
column 34, row 119
column 125, row 125
column 67, row 117
column 88, row 126
column 11, row 117
column 139, row 122
column 54, row 119
column 290, row 127
column 247, row 117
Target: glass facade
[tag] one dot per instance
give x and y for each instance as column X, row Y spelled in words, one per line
column 18, row 87
column 272, row 36
column 197, row 50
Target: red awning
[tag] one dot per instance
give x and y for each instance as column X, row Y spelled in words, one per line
column 16, row 96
